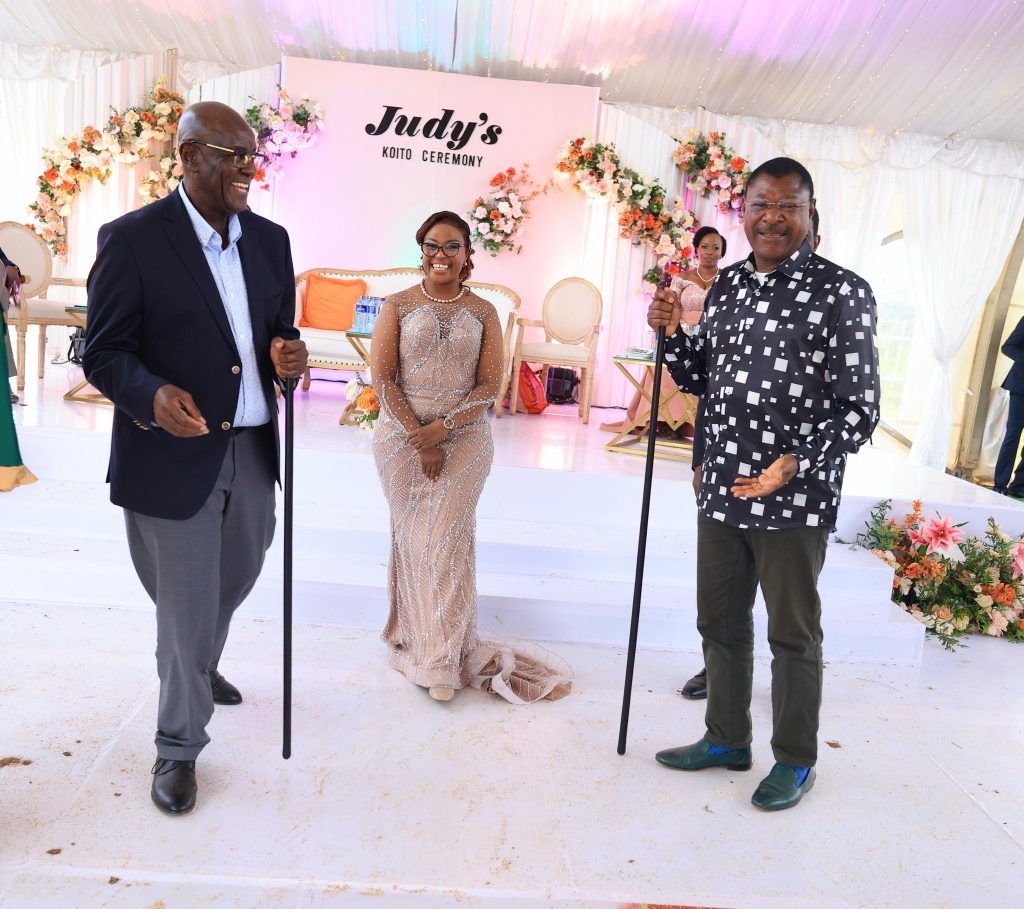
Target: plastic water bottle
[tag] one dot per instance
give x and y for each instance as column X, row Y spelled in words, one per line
column 374, row 309
column 360, row 322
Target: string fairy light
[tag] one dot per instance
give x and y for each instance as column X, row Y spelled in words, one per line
column 74, row 28
column 768, row 84
column 698, row 93
column 42, row 40
column 944, row 91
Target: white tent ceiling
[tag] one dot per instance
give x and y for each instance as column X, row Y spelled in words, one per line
column 940, row 67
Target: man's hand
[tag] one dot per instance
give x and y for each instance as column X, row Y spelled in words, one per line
column 175, row 412
column 12, row 277
column 778, row 474
column 428, row 436
column 431, row 460
column 289, row 357
column 696, row 480
column 665, row 311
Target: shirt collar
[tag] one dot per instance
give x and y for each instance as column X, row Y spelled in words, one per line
column 789, row 267
column 206, row 234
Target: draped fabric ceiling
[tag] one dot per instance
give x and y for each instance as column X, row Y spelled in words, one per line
column 948, row 68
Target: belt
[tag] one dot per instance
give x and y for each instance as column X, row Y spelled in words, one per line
column 238, row 430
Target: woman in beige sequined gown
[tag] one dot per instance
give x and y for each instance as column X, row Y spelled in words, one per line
column 437, row 359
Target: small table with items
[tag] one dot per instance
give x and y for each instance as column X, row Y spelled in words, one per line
column 357, row 338
column 77, row 315
column 632, row 438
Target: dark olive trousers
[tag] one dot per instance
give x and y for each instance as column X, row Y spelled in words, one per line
column 786, row 563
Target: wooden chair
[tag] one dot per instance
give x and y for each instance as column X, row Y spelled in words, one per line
column 570, row 319
column 26, row 248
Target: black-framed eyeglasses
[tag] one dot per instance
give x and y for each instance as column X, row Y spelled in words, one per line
column 430, row 248
column 238, row 158
column 759, row 206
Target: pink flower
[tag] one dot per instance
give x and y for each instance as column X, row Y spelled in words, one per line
column 916, row 537
column 999, row 623
column 940, row 534
column 1017, row 554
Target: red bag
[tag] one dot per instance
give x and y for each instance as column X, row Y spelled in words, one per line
column 531, row 393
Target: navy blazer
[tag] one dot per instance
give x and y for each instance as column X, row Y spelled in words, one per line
column 155, row 317
column 1013, row 347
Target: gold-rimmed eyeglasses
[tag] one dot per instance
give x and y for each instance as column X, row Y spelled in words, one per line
column 759, row 206
column 238, row 158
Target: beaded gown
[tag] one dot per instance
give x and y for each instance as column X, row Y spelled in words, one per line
column 432, row 360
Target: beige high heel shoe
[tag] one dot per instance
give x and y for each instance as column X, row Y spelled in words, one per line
column 441, row 694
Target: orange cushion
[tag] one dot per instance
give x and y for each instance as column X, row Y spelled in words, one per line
column 331, row 302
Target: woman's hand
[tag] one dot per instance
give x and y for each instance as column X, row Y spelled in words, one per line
column 427, row 436
column 665, row 311
column 431, row 460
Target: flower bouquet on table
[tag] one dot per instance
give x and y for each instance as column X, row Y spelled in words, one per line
column 713, row 169
column 285, row 129
column 359, row 392
column 589, row 167
column 498, row 218
column 952, row 583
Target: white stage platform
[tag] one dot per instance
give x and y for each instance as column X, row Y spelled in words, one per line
column 392, row 796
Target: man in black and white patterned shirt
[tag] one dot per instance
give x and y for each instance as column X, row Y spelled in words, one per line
column 786, row 354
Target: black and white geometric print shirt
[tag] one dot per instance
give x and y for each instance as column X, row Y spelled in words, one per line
column 789, row 365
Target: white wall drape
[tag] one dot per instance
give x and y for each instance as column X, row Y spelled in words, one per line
column 952, row 267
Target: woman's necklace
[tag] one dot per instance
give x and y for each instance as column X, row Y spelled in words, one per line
column 706, row 281
column 458, row 296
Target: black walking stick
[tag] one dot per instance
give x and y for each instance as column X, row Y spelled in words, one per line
column 289, row 472
column 641, row 548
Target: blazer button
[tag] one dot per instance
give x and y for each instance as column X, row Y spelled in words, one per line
column 235, row 370
column 225, row 426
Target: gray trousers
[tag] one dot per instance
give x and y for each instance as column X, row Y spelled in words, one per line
column 786, row 563
column 197, row 572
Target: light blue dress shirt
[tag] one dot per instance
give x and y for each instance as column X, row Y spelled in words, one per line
column 226, row 267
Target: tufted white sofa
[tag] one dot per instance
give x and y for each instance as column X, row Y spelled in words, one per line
column 332, row 349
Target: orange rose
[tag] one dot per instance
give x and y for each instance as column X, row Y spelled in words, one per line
column 943, row 614
column 1020, row 624
column 737, row 164
column 51, row 175
column 495, row 215
column 367, row 400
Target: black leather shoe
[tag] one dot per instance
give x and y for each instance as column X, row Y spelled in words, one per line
column 174, row 786
column 223, row 691
column 697, row 688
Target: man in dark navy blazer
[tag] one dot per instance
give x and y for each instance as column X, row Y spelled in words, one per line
column 191, row 317
column 1014, row 384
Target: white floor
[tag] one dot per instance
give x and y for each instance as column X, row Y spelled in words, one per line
column 391, row 796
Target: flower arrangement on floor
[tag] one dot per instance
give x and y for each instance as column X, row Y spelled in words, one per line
column 713, row 169
column 360, row 392
column 498, row 218
column 952, row 583
column 73, row 162
column 646, row 216
column 285, row 129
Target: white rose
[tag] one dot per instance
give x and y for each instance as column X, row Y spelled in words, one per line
column 481, row 212
column 504, row 207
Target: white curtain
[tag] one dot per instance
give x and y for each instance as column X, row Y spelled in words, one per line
column 959, row 227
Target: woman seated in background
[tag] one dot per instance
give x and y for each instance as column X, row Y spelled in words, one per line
column 709, row 248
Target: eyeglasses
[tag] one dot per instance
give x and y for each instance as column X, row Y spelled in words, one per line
column 450, row 249
column 759, row 206
column 430, row 248
column 238, row 158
